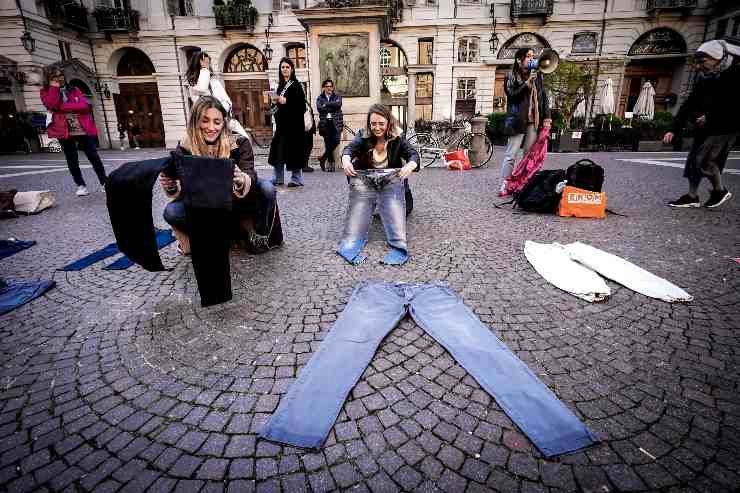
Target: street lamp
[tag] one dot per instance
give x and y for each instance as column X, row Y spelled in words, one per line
column 268, row 49
column 28, row 42
column 493, row 42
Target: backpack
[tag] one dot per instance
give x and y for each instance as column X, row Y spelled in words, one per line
column 308, row 121
column 585, row 174
column 539, row 194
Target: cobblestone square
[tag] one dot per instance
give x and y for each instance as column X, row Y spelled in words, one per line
column 119, row 380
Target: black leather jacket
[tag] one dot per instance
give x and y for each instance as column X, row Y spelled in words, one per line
column 399, row 152
column 517, row 102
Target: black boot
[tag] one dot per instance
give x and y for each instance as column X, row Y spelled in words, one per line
column 322, row 162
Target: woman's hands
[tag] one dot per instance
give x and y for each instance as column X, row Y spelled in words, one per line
column 349, row 170
column 547, row 122
column 407, row 169
column 279, row 100
column 242, row 183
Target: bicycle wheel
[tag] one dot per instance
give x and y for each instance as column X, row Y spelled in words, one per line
column 466, row 142
column 425, row 144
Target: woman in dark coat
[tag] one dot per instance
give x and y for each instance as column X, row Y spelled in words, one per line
column 528, row 110
column 286, row 149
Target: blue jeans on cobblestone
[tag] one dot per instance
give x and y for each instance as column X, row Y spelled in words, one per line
column 307, row 413
column 365, row 191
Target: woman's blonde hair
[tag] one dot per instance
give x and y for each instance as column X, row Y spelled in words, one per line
column 194, row 140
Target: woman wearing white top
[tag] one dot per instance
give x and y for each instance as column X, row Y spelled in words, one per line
column 201, row 82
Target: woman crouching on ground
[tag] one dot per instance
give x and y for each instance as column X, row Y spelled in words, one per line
column 376, row 163
column 255, row 212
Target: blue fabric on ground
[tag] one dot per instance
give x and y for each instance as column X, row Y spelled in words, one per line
column 15, row 294
column 164, row 237
column 102, row 254
column 307, row 412
column 9, row 247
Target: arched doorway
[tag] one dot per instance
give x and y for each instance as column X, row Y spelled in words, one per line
column 246, row 83
column 658, row 57
column 137, row 106
column 524, row 40
column 394, row 88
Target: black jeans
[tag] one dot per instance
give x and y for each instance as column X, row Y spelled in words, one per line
column 331, row 141
column 87, row 145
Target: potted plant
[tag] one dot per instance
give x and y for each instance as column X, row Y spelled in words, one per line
column 570, row 85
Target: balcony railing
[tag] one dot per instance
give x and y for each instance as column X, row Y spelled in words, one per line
column 395, row 7
column 653, row 5
column 67, row 13
column 523, row 8
column 115, row 20
column 237, row 14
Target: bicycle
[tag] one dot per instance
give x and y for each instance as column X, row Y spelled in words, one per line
column 445, row 137
column 255, row 142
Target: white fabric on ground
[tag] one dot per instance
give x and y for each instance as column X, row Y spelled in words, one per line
column 555, row 265
column 626, row 273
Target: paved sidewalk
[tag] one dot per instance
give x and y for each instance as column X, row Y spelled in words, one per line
column 120, row 380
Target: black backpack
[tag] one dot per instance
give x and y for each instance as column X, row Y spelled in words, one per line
column 585, row 174
column 539, row 194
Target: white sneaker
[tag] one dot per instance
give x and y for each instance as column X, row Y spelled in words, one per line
column 81, row 191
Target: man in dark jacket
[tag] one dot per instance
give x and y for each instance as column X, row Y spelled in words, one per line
column 331, row 121
column 714, row 110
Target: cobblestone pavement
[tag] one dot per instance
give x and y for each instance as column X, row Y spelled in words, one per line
column 119, row 380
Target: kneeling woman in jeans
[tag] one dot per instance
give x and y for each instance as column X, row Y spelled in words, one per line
column 376, row 163
column 256, row 217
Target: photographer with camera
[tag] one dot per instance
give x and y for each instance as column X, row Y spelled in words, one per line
column 528, row 109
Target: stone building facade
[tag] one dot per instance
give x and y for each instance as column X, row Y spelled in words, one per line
column 428, row 59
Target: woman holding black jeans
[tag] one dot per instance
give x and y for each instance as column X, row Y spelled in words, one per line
column 72, row 124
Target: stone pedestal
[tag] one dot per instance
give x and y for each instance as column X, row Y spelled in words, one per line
column 478, row 149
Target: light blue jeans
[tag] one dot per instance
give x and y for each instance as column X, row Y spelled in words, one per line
column 296, row 175
column 307, row 413
column 386, row 189
column 516, row 142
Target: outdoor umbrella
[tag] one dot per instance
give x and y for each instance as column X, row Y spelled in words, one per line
column 580, row 109
column 607, row 98
column 529, row 165
column 645, row 105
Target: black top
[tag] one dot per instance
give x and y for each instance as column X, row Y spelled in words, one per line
column 398, row 149
column 517, row 101
column 715, row 98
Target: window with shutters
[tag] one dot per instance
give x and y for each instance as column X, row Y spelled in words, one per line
column 426, row 49
column 297, row 53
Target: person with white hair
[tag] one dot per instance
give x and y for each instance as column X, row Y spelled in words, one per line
column 713, row 109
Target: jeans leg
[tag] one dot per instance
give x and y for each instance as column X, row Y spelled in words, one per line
column 69, row 146
column 296, row 176
column 535, row 409
column 362, row 200
column 307, row 413
column 392, row 210
column 174, row 215
column 267, row 196
column 529, row 138
column 87, row 144
column 279, row 176
column 512, row 148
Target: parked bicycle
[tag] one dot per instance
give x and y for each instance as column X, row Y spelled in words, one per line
column 447, row 136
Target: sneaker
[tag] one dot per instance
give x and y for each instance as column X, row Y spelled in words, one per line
column 308, row 169
column 685, row 201
column 293, row 184
column 82, row 191
column 717, row 198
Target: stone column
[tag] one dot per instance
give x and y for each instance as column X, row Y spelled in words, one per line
column 411, row 105
column 477, row 146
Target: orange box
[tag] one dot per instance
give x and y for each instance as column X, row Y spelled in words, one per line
column 577, row 202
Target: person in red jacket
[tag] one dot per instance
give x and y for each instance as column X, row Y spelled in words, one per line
column 72, row 124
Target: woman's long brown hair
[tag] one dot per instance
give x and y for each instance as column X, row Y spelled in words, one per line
column 194, row 140
column 385, row 112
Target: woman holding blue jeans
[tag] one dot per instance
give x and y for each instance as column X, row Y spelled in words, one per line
column 528, row 109
column 376, row 163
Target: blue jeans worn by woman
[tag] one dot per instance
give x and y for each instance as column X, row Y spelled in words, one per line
column 307, row 412
column 385, row 189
